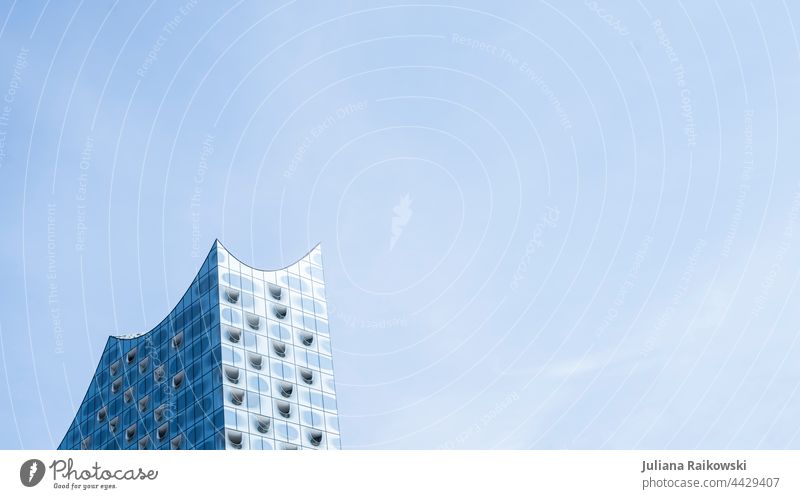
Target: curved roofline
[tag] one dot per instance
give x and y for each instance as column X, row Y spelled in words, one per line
column 116, row 338
column 217, row 241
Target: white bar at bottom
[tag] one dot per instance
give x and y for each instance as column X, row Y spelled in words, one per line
column 755, row 474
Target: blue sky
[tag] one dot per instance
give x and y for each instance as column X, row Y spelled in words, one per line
column 543, row 225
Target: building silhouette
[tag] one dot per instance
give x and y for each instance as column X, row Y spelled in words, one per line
column 242, row 362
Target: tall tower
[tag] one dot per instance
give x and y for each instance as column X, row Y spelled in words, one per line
column 242, row 362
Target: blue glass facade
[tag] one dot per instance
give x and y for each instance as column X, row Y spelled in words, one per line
column 242, row 362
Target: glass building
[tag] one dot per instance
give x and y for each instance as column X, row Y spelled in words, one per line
column 242, row 362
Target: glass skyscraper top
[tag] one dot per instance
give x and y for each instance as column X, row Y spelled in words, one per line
column 242, row 362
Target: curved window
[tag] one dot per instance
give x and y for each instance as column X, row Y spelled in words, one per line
column 279, row 348
column 131, row 355
column 114, row 368
column 307, row 339
column 262, row 424
column 256, row 360
column 275, row 291
column 159, row 373
column 177, row 381
column 162, row 431
column 315, row 437
column 113, row 425
column 232, row 295
column 286, row 389
column 116, row 385
column 234, row 334
column 307, row 375
column 235, row 438
column 102, row 414
column 158, row 412
column 143, row 403
column 128, row 395
column 253, row 320
column 86, row 443
column 144, row 364
column 279, row 311
column 144, row 442
column 176, row 442
column 232, row 373
column 130, row 433
column 284, row 409
column 237, row 396
column 177, row 340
